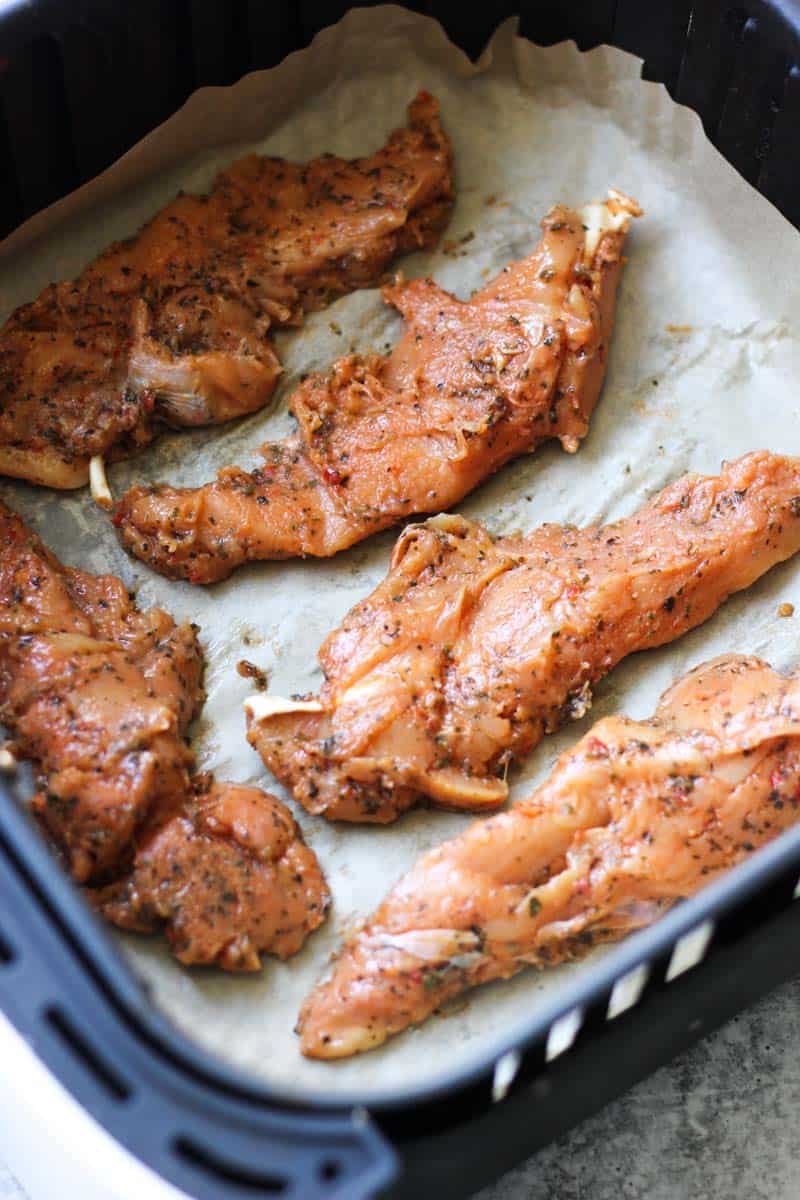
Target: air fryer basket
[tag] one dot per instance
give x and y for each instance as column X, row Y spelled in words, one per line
column 80, row 82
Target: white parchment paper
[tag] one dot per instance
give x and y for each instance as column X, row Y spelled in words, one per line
column 704, row 366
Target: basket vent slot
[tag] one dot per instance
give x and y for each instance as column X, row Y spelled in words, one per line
column 505, row 1071
column 329, row 1170
column 627, row 991
column 7, row 954
column 689, row 950
column 563, row 1033
column 247, row 1179
column 86, row 1054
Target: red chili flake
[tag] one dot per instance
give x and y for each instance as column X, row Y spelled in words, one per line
column 331, row 475
column 595, row 746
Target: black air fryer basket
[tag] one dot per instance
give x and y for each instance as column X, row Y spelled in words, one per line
column 80, row 82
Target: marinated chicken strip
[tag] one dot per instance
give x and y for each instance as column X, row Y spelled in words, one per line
column 100, row 696
column 472, row 648
column 469, row 386
column 227, row 877
column 170, row 326
column 637, row 816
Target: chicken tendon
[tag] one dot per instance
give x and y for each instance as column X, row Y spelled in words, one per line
column 473, row 648
column 469, row 386
column 635, row 817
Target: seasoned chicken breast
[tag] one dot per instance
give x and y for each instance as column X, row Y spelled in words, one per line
column 469, row 386
column 170, row 326
column 635, row 817
column 99, row 695
column 472, row 648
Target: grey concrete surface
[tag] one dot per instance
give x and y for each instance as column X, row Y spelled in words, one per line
column 719, row 1123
